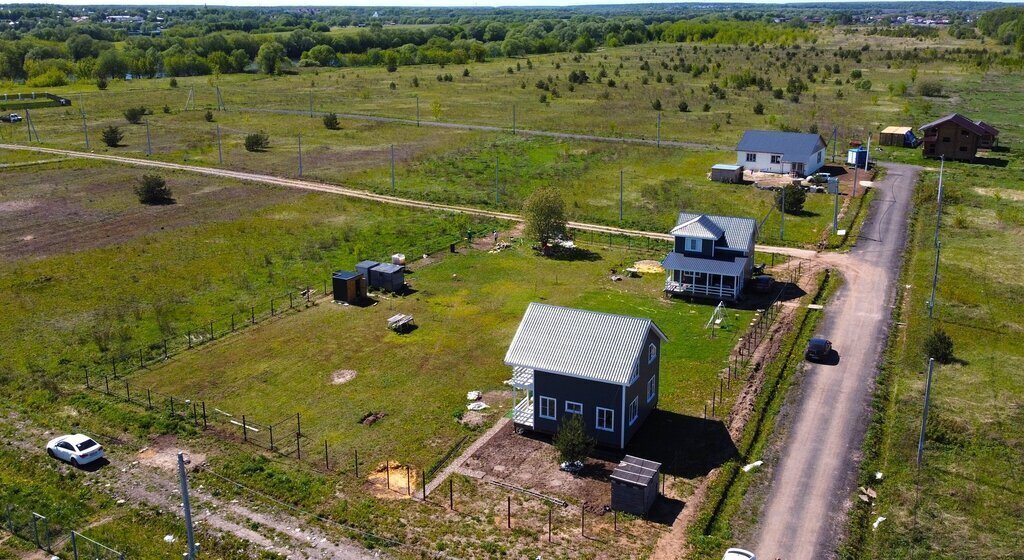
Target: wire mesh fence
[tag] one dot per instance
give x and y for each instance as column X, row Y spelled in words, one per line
column 47, row 535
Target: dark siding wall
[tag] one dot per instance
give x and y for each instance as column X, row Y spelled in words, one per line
column 705, row 251
column 591, row 393
column 959, row 145
column 638, row 389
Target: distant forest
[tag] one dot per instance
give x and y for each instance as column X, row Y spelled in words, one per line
column 46, row 46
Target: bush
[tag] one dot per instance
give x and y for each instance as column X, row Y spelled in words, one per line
column 683, row 107
column 656, row 105
column 134, row 114
column 759, row 108
column 706, row 108
column 153, row 190
column 257, row 141
column 331, row 121
column 167, row 109
column 465, row 73
column 929, row 89
column 794, row 197
column 938, row 345
column 208, row 116
column 572, row 441
column 112, row 136
column 543, row 98
column 174, row 82
column 101, row 83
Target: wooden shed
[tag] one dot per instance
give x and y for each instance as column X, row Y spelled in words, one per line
column 726, row 173
column 388, row 277
column 635, row 485
column 902, row 136
column 349, row 287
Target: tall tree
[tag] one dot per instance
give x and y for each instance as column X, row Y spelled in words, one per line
column 544, row 212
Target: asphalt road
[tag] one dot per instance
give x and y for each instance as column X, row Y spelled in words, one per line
column 365, row 195
column 815, row 476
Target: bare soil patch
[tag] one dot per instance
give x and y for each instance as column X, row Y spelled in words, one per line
column 392, row 480
column 163, row 454
column 342, row 376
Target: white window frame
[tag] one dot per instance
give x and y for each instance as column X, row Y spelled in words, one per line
column 652, row 388
column 541, row 406
column 634, row 410
column 751, row 157
column 652, row 353
column 776, row 159
column 611, row 419
column 694, row 244
column 573, row 407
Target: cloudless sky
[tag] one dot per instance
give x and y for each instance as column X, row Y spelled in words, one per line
column 437, row 3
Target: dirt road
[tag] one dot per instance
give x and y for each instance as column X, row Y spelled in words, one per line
column 365, row 195
column 815, row 475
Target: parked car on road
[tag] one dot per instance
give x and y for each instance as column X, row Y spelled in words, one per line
column 738, row 554
column 13, row 117
column 77, row 449
column 818, row 349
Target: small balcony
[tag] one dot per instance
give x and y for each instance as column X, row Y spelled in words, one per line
column 522, row 413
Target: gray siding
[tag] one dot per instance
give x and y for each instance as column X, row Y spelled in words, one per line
column 638, row 389
column 592, row 394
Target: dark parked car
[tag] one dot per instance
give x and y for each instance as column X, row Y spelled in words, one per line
column 818, row 349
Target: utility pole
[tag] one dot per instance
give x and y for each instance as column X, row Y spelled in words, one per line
column 782, row 226
column 392, row 168
column 85, row 127
column 310, row 104
column 220, row 152
column 867, row 157
column 497, row 196
column 190, row 536
column 935, row 279
column 149, row 144
column 513, row 119
column 621, row 189
column 835, row 209
column 659, row 129
column 417, row 109
column 300, row 155
column 938, row 215
column 856, row 170
column 924, row 415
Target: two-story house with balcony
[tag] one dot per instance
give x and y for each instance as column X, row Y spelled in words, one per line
column 712, row 257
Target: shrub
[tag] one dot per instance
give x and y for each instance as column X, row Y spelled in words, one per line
column 543, row 98
column 929, row 88
column 465, row 73
column 257, row 141
column 112, row 136
column 134, row 114
column 153, row 190
column 656, row 105
column 208, row 116
column 706, row 108
column 167, row 109
column 683, row 107
column 415, row 81
column 777, row 93
column 392, row 86
column 174, row 82
column 938, row 345
column 856, row 75
column 101, row 83
column 572, row 441
column 794, row 197
column 759, row 108
column 331, row 121
column 544, row 212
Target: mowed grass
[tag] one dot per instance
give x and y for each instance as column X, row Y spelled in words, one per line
column 467, row 308
column 965, row 502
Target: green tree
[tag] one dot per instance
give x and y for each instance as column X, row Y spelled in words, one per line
column 939, row 345
column 257, row 141
column 112, row 136
column 929, row 88
column 331, row 121
column 153, row 190
column 794, row 198
column 759, row 108
column 544, row 212
column 572, row 441
column 134, row 114
column 270, row 57
column 208, row 116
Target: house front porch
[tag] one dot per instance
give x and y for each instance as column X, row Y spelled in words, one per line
column 522, row 384
column 690, row 276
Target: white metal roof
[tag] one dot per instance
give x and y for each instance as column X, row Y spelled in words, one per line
column 579, row 343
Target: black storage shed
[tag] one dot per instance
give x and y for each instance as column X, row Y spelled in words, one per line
column 635, row 485
column 349, row 287
column 388, row 277
column 364, row 269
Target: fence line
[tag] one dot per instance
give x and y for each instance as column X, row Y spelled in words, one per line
column 37, row 529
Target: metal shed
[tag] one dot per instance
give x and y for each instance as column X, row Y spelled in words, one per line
column 388, row 277
column 857, row 157
column 725, row 173
column 635, row 485
column 364, row 269
column 349, row 287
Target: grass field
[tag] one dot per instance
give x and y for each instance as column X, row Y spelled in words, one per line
column 964, row 501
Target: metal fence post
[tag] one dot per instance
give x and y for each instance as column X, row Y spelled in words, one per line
column 149, row 399
column 74, row 545
column 127, row 390
column 245, row 431
column 170, row 401
column 271, row 428
column 106, row 384
column 204, row 415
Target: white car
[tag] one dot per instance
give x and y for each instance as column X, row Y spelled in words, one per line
column 738, row 554
column 77, row 449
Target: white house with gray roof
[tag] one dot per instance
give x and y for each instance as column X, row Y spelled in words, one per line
column 775, row 151
column 712, row 256
column 601, row 366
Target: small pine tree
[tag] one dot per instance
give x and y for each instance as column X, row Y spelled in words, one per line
column 167, row 109
column 684, row 106
column 153, row 190
column 706, row 108
column 208, row 116
column 939, row 345
column 794, row 197
column 257, row 141
column 656, row 105
column 112, row 136
column 134, row 114
column 101, row 83
column 415, row 81
column 331, row 121
column 174, row 82
column 572, row 441
column 759, row 108
column 465, row 73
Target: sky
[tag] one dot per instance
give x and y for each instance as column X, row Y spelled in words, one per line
column 437, row 3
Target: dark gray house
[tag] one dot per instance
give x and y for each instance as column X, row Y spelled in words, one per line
column 713, row 256
column 601, row 366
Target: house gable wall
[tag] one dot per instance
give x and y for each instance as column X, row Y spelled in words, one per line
column 962, row 144
column 591, row 393
column 638, row 389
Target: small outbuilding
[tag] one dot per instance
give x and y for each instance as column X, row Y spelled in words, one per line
column 635, row 485
column 349, row 287
column 902, row 136
column 725, row 173
column 857, row 157
column 364, row 268
column 388, row 277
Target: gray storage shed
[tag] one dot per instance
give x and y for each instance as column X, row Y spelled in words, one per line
column 725, row 173
column 635, row 485
column 364, row 269
column 388, row 277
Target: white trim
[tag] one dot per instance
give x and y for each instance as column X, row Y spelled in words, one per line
column 652, row 353
column 634, row 410
column 622, row 423
column 652, row 388
column 597, row 419
column 554, row 408
column 579, row 404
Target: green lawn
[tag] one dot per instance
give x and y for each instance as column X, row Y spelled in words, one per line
column 467, row 308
